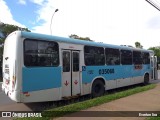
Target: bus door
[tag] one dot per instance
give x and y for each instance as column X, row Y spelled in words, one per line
column 154, row 68
column 70, row 73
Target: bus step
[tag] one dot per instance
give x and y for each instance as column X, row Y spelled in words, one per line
column 70, row 97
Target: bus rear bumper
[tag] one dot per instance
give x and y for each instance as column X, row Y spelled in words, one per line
column 13, row 95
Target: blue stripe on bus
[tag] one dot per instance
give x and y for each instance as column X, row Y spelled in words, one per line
column 40, row 78
column 112, row 72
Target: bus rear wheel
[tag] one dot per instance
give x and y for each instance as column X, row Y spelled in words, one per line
column 146, row 79
column 97, row 88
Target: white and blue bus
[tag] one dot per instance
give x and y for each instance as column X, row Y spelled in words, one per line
column 39, row 67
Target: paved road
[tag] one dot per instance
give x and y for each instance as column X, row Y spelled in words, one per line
column 8, row 105
column 3, row 98
column 144, row 101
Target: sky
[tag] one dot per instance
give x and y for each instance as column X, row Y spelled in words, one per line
column 118, row 22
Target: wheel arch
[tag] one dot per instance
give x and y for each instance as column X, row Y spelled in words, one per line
column 146, row 78
column 147, row 73
column 98, row 78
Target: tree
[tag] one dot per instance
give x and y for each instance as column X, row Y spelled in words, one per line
column 156, row 50
column 74, row 36
column 5, row 30
column 138, row 45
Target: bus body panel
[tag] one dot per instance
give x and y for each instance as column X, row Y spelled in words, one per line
column 76, row 42
column 40, row 78
column 115, row 76
column 108, row 72
column 10, row 65
column 37, row 83
column 53, row 94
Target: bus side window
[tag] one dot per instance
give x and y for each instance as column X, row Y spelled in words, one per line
column 112, row 56
column 126, row 57
column 94, row 55
column 146, row 58
column 137, row 57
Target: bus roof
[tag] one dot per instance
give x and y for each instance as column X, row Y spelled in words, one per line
column 39, row 36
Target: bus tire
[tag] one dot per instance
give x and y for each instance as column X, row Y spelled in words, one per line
column 146, row 79
column 97, row 88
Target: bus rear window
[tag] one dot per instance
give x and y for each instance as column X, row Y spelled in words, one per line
column 40, row 53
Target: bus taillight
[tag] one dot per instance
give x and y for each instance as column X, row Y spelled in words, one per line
column 7, row 82
column 14, row 78
column 26, row 94
column 13, row 82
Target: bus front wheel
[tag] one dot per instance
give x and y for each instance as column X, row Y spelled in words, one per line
column 97, row 88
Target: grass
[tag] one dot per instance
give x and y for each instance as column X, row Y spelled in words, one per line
column 97, row 101
column 153, row 118
column 64, row 110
